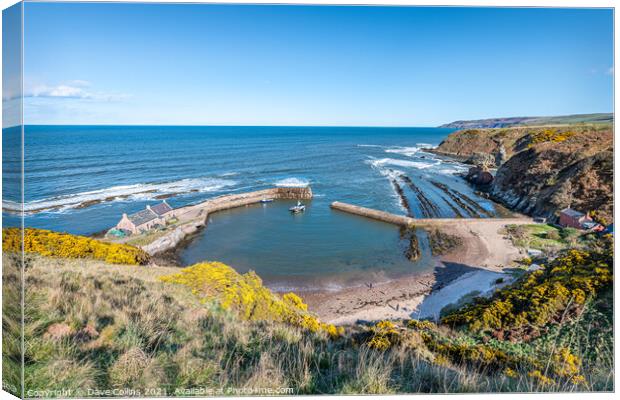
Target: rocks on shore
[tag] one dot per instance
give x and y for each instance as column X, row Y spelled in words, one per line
column 542, row 169
column 479, row 176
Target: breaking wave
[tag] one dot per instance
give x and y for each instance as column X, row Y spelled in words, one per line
column 292, row 182
column 406, row 151
column 140, row 191
column 404, row 163
column 432, row 165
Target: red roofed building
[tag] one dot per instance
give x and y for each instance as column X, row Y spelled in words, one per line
column 573, row 218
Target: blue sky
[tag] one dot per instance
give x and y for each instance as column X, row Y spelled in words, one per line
column 301, row 65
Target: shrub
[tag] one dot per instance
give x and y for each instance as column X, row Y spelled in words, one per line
column 598, row 217
column 442, row 243
column 540, row 297
column 55, row 244
column 552, row 235
column 550, row 135
column 246, row 295
column 383, row 335
column 568, row 233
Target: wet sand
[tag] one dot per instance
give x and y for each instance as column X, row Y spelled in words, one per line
column 462, row 271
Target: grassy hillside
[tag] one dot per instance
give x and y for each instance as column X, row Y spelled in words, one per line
column 91, row 325
column 600, row 118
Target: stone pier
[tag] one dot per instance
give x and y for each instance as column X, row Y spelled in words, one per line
column 401, row 220
column 194, row 217
column 373, row 214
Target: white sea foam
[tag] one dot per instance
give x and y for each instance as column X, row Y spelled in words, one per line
column 425, row 146
column 292, row 182
column 140, row 191
column 11, row 206
column 451, row 170
column 368, row 145
column 404, row 163
column 406, row 151
column 432, row 165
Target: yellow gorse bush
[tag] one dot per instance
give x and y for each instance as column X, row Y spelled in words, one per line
column 246, row 295
column 383, row 335
column 540, row 296
column 55, row 244
column 446, row 350
column 550, row 135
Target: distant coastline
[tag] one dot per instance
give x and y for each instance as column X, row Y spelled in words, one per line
column 597, row 118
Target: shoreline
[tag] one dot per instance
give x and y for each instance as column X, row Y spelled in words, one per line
column 474, row 266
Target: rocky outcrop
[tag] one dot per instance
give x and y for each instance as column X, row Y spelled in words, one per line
column 172, row 239
column 479, row 176
column 542, row 182
column 501, row 155
column 540, row 169
column 472, row 146
column 493, row 147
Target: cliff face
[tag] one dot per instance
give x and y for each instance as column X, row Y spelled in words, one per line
column 547, row 169
column 474, row 145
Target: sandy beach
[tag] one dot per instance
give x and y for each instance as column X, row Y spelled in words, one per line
column 474, row 266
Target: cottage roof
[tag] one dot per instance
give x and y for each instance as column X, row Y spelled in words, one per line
column 572, row 213
column 161, row 209
column 142, row 217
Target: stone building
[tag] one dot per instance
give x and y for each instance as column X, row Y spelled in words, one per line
column 573, row 218
column 146, row 219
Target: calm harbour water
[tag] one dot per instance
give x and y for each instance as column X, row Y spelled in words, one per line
column 81, row 179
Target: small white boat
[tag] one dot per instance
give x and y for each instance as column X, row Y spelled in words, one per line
column 298, row 208
column 266, row 200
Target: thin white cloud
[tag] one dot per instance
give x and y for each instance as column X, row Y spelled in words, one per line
column 64, row 91
column 77, row 89
column 80, row 83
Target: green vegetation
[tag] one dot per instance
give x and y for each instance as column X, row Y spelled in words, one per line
column 442, row 243
column 150, row 236
column 12, row 286
column 605, row 119
column 550, row 135
column 526, row 308
column 547, row 237
column 90, row 325
column 245, row 295
column 596, row 119
column 54, row 244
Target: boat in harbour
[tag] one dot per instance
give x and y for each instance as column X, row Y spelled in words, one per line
column 298, row 208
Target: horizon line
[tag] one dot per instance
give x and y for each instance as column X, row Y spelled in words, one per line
column 245, row 125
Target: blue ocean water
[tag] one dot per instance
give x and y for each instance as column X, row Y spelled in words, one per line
column 80, row 179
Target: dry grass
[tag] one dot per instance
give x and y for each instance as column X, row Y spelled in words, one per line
column 94, row 326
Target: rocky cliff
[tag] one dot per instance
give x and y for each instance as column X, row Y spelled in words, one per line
column 547, row 169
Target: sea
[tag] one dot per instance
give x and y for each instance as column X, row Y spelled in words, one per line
column 81, row 179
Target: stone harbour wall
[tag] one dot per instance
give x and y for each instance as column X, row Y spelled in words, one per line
column 194, row 217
